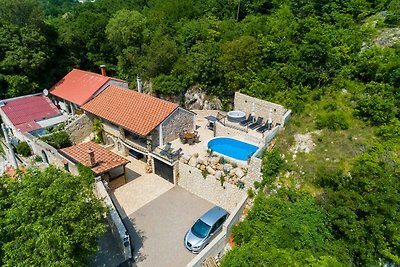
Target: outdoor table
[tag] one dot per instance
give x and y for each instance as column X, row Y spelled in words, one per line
column 189, row 135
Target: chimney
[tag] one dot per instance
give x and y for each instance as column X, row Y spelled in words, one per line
column 103, row 70
column 92, row 160
column 139, row 84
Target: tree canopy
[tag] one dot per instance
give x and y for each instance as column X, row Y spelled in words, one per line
column 49, row 218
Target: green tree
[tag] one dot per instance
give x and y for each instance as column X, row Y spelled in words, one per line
column 287, row 229
column 125, row 28
column 58, row 140
column 23, row 149
column 24, row 47
column 49, row 218
column 363, row 207
column 240, row 59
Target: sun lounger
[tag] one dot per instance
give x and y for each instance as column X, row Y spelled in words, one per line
column 247, row 121
column 265, row 127
column 256, row 124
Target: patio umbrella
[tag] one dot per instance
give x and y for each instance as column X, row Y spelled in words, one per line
column 270, row 116
column 253, row 109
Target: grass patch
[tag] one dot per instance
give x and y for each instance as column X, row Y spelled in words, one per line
column 334, row 149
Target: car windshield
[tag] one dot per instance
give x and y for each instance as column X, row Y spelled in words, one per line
column 200, row 229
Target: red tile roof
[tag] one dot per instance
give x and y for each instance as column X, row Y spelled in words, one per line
column 137, row 112
column 79, row 86
column 105, row 159
column 24, row 111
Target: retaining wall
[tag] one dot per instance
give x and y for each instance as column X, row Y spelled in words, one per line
column 79, row 129
column 253, row 172
column 119, row 228
column 261, row 107
column 191, row 179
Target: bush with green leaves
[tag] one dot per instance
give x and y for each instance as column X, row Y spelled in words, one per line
column 23, row 149
column 58, row 140
column 98, row 131
column 287, row 229
column 272, row 164
column 335, row 120
column 375, row 109
column 391, row 131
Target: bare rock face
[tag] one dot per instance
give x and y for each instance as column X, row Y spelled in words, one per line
column 193, row 162
column 210, row 170
column 239, row 173
column 218, row 175
column 195, row 98
column 214, row 161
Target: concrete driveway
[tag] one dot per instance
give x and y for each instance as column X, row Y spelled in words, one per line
column 157, row 228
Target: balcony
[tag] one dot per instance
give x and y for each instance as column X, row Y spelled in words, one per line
column 135, row 141
column 167, row 154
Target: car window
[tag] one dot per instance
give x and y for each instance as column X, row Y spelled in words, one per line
column 200, row 229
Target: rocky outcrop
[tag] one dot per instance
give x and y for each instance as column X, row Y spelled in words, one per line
column 196, row 98
column 212, row 168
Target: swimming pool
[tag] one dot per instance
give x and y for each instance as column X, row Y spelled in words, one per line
column 232, row 148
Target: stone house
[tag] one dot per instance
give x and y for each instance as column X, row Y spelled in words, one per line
column 78, row 87
column 139, row 124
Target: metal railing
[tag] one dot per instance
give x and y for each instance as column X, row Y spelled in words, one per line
column 170, row 156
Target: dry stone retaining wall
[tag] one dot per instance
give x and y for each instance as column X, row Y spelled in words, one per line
column 262, row 108
column 79, row 129
column 209, row 188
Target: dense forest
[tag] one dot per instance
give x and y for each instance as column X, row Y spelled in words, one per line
column 335, row 63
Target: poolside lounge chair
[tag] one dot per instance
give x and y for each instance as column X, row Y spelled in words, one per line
column 256, row 124
column 247, row 121
column 265, row 127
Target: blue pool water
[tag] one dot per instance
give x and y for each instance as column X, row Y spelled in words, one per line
column 232, row 148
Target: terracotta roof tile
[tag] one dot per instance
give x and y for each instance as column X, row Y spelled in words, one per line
column 106, row 160
column 79, row 86
column 137, row 112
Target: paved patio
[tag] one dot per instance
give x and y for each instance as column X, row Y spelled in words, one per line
column 157, row 229
column 137, row 193
column 206, row 135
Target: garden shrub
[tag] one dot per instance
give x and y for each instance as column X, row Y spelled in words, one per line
column 58, row 140
column 23, row 149
column 272, row 164
column 335, row 120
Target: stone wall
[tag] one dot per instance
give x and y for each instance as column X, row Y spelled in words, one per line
column 271, row 135
column 45, row 150
column 79, row 129
column 191, row 179
column 180, row 120
column 118, row 224
column 262, row 108
column 111, row 129
column 155, row 137
column 253, row 172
